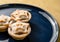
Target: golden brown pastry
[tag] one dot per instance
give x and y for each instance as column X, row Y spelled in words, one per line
column 21, row 15
column 4, row 22
column 19, row 30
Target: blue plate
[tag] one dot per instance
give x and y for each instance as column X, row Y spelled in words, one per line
column 43, row 25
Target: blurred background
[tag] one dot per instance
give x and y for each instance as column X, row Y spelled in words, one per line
column 52, row 6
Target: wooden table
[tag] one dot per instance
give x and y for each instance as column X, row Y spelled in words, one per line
column 52, row 6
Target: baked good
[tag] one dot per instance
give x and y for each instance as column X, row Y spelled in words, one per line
column 21, row 15
column 4, row 22
column 19, row 30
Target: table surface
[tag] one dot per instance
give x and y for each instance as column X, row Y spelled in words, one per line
column 52, row 6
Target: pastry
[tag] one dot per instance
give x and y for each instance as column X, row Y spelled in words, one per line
column 19, row 30
column 4, row 22
column 21, row 15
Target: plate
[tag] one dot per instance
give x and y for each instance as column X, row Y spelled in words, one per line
column 44, row 27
